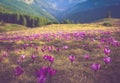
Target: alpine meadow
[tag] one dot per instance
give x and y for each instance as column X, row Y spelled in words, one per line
column 59, row 41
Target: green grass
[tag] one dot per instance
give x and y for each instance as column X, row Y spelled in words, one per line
column 11, row 27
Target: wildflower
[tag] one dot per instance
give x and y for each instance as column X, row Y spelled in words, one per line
column 41, row 79
column 49, row 58
column 50, row 48
column 44, row 72
column 58, row 49
column 65, row 47
column 18, row 71
column 107, row 59
column 22, row 57
column 33, row 57
column 42, row 49
column 71, row 58
column 86, row 56
column 51, row 71
column 95, row 66
column 106, row 51
column 45, row 57
column 5, row 54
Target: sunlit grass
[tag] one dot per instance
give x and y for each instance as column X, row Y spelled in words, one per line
column 77, row 72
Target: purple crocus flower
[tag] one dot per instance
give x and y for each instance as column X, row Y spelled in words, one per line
column 41, row 79
column 107, row 59
column 106, row 51
column 65, row 47
column 86, row 56
column 22, row 57
column 71, row 58
column 58, row 49
column 33, row 57
column 51, row 59
column 42, row 49
column 51, row 71
column 45, row 57
column 43, row 73
column 5, row 54
column 95, row 66
column 18, row 71
column 50, row 48
column 115, row 43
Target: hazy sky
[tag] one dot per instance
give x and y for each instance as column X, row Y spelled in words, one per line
column 63, row 4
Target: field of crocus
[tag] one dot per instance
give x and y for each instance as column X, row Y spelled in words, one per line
column 56, row 55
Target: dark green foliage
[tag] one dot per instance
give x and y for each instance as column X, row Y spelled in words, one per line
column 26, row 20
column 107, row 24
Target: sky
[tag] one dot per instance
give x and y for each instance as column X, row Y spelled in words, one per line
column 63, row 4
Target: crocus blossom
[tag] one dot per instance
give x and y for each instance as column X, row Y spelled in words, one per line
column 43, row 72
column 65, row 47
column 86, row 56
column 106, row 51
column 71, row 58
column 18, row 71
column 95, row 66
column 33, row 57
column 22, row 57
column 107, row 59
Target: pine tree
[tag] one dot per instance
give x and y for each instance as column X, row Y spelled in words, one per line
column 24, row 22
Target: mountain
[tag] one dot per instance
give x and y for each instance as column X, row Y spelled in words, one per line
column 20, row 6
column 92, row 10
column 76, row 10
column 56, row 7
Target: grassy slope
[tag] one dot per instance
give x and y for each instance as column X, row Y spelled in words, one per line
column 113, row 21
column 62, row 27
column 79, row 72
column 11, row 27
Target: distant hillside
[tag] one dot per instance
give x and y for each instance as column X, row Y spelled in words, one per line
column 92, row 10
column 112, row 21
column 21, row 7
column 11, row 27
column 18, row 12
column 94, row 14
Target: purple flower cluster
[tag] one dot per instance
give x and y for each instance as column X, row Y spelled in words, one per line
column 18, row 71
column 43, row 73
column 49, row 58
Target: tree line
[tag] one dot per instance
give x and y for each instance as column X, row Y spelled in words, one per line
column 25, row 20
